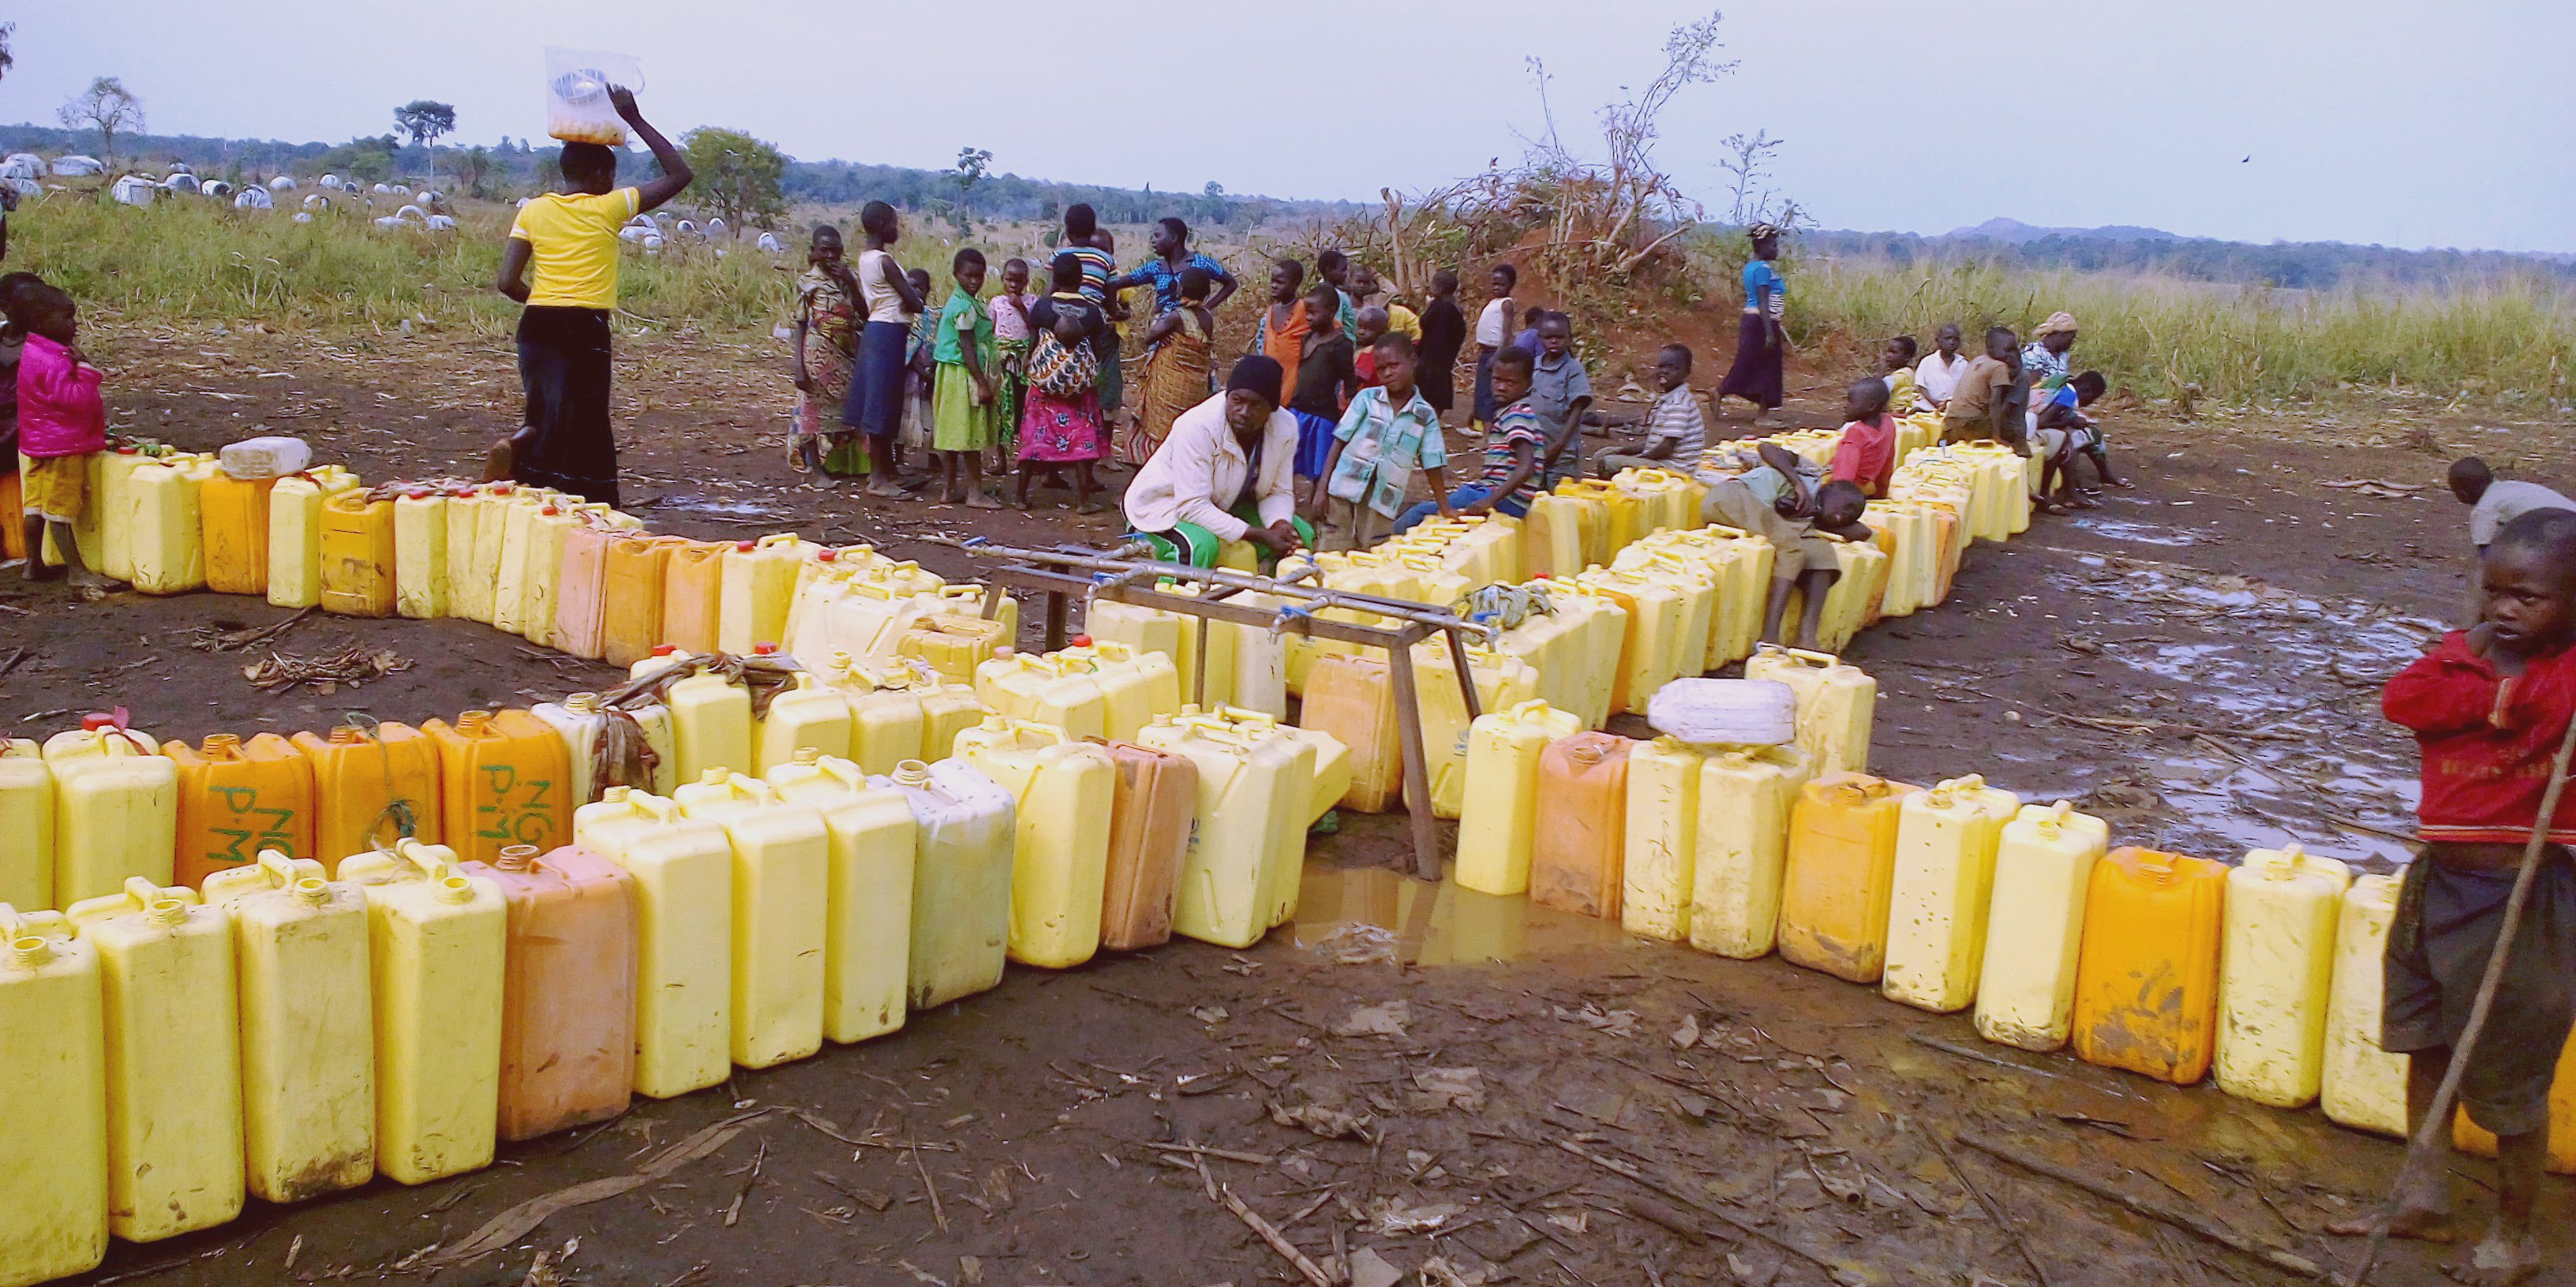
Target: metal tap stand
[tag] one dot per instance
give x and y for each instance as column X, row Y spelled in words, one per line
column 1126, row 575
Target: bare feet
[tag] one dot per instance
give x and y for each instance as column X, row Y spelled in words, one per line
column 2421, row 1224
column 979, row 500
column 888, row 491
column 1091, row 507
column 2499, row 1260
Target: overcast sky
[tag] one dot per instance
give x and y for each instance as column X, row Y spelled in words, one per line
column 2408, row 124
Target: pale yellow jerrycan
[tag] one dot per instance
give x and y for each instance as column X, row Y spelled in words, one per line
column 1502, row 681
column 174, row 1108
column 1147, row 630
column 808, row 716
column 1946, row 839
column 101, row 527
column 1746, row 794
column 1046, row 690
column 53, row 1100
column 580, row 722
column 504, row 532
column 307, row 1026
column 867, row 932
column 116, row 810
column 1651, row 652
column 759, row 582
column 470, row 580
column 1064, row 791
column 961, row 882
column 26, row 826
column 420, row 554
column 1306, row 756
column 1661, row 839
column 683, row 870
column 439, row 948
column 1498, row 810
column 946, row 711
column 541, row 584
column 1135, row 686
column 1248, row 797
column 710, row 725
column 2275, row 970
column 885, row 717
column 782, row 859
column 166, row 524
column 2363, row 1086
column 2043, row 867
column 1836, row 704
column 295, row 533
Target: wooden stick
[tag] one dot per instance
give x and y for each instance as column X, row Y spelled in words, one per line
column 1222, row 1154
column 937, row 1213
column 1278, row 1241
column 2191, row 1224
column 1993, row 1209
column 1697, row 1203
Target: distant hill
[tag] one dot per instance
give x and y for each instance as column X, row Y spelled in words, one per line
column 2294, row 265
column 2016, row 232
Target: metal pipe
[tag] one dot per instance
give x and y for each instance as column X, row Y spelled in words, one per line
column 1420, row 614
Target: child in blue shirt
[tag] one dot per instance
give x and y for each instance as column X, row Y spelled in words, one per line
column 1388, row 431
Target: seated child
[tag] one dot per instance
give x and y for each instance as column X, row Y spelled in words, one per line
column 1389, row 431
column 1512, row 446
column 62, row 422
column 1867, row 455
column 1676, row 430
column 1897, row 361
column 1780, row 500
column 2489, row 708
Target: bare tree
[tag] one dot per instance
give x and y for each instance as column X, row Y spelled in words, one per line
column 7, row 59
column 107, row 107
column 1750, row 196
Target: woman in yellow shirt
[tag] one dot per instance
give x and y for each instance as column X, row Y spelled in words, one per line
column 570, row 239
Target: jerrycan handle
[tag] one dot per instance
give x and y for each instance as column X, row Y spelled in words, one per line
column 433, row 862
column 1242, row 715
column 1534, row 708
column 1035, row 730
column 282, row 872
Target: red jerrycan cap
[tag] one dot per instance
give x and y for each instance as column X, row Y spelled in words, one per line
column 764, row 649
column 103, row 720
column 665, row 650
column 1082, row 641
column 746, row 546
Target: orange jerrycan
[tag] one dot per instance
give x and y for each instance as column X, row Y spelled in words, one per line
column 1946, row 840
column 53, row 1066
column 2469, row 1137
column 1349, row 696
column 237, row 798
column 504, row 779
column 174, row 1108
column 2146, row 982
column 1149, row 839
column 234, row 512
column 568, row 990
column 693, row 596
column 307, row 1026
column 439, row 942
column 2364, row 1086
column 26, row 827
column 357, row 555
column 1840, row 869
column 867, row 937
column 1582, row 825
column 581, row 592
column 371, row 787
column 636, row 569
column 2275, row 967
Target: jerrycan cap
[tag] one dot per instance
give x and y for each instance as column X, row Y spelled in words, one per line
column 129, row 449
column 665, row 650
column 516, row 857
column 1082, row 641
column 716, row 775
column 746, row 546
column 764, row 650
column 809, row 755
column 615, row 795
column 417, row 493
column 550, row 510
column 103, row 721
column 582, row 703
column 912, row 773
column 221, row 746
column 502, row 489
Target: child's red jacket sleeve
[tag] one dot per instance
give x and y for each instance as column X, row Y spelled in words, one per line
column 2487, row 741
column 2448, row 690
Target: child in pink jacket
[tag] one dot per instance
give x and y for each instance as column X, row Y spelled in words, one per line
column 62, row 422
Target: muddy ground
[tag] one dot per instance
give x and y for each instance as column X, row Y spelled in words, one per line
column 1417, row 1073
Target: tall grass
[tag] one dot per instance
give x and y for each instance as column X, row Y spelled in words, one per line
column 2507, row 342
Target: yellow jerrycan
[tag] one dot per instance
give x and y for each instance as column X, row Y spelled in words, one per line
column 683, row 870
column 237, row 798
column 550, row 528
column 295, row 533
column 1488, row 552
column 26, row 827
column 174, row 1124
column 1909, row 563
column 1064, row 791
column 1249, row 802
column 2363, row 1086
column 469, row 582
column 439, row 951
column 1582, row 831
column 1662, row 841
column 710, row 726
column 1703, row 589
column 807, row 716
column 167, row 524
column 1498, row 812
column 53, row 1105
column 1501, row 680
column 420, row 554
column 504, row 779
column 1137, row 686
column 1044, row 689
column 1747, row 595
column 357, row 562
column 578, row 720
column 1839, row 873
column 2146, row 980
column 1651, row 649
column 371, row 787
column 1746, row 796
column 781, row 878
column 501, row 539
column 1847, row 605
column 693, row 595
column 234, row 512
column 116, row 809
column 961, row 881
column 954, row 644
column 637, row 568
column 2043, row 866
column 1351, row 698
column 1836, row 704
column 867, row 935
column 1315, row 763
column 758, row 581
column 886, row 719
column 946, row 711
column 2276, row 968
column 307, row 1026
column 101, row 527
column 1946, row 839
column 1552, row 537
column 1148, row 630
column 1597, row 643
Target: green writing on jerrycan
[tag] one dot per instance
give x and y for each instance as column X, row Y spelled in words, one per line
column 502, row 782
column 237, row 798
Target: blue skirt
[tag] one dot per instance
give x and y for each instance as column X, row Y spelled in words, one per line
column 1314, row 443
column 875, row 405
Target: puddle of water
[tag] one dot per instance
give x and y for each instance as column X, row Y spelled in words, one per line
column 1360, row 914
column 2135, row 533
column 691, row 504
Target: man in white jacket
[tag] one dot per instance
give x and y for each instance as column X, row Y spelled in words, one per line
column 1226, row 472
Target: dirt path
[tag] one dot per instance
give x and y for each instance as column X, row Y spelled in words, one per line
column 2198, row 660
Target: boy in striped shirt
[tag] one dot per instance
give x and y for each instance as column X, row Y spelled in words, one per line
column 1676, row 432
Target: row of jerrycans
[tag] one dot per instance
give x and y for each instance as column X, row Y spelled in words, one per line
column 1234, row 665
column 1350, row 699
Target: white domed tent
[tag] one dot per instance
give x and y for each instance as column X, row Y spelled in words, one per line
column 22, row 165
column 254, row 197
column 180, row 181
column 716, row 227
column 182, row 167
column 282, row 183
column 25, row 187
column 216, row 189
column 316, row 201
column 331, row 181
column 134, row 190
column 769, row 242
column 76, row 166
column 440, row 223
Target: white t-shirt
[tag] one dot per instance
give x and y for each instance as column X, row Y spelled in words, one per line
column 1489, row 324
column 884, row 303
column 2505, row 501
column 1935, row 379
